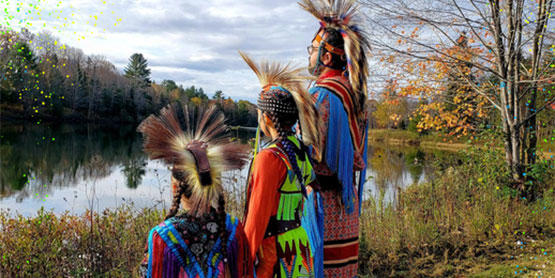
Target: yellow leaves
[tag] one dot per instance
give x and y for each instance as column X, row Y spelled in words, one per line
column 440, row 75
column 409, row 68
column 196, row 101
column 391, row 59
column 395, row 117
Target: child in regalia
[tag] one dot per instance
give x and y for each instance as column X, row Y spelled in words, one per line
column 198, row 239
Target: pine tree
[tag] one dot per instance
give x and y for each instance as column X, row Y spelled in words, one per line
column 138, row 69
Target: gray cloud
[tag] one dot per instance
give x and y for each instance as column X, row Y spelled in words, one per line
column 196, row 42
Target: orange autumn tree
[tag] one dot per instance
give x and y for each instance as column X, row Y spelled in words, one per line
column 392, row 111
column 506, row 41
column 451, row 104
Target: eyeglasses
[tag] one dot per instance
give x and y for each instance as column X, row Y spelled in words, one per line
column 310, row 49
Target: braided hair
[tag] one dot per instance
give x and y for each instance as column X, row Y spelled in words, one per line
column 333, row 37
column 182, row 190
column 223, row 235
column 278, row 103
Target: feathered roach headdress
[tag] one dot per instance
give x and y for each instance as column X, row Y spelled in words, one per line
column 342, row 15
column 198, row 147
column 287, row 80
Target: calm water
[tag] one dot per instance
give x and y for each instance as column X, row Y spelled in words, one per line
column 75, row 167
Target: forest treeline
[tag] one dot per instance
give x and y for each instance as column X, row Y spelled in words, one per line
column 43, row 79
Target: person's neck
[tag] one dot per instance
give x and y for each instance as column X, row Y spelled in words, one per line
column 185, row 203
column 274, row 134
column 327, row 72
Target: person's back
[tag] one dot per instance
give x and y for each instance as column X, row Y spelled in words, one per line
column 188, row 246
column 337, row 57
column 280, row 174
column 201, row 240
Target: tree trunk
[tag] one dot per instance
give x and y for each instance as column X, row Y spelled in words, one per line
column 533, row 139
column 92, row 93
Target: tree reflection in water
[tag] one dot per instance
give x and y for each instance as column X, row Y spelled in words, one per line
column 134, row 170
column 39, row 161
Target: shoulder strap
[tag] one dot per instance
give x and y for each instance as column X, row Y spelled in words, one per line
column 171, row 237
column 278, row 151
column 343, row 92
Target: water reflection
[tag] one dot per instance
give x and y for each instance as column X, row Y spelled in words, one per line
column 53, row 157
column 60, row 167
column 392, row 168
column 134, row 171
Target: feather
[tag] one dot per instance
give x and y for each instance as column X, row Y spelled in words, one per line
column 343, row 16
column 167, row 135
column 289, row 78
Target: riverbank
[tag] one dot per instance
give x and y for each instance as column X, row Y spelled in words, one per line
column 441, row 142
column 467, row 223
column 15, row 115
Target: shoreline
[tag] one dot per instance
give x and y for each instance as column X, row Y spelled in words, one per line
column 388, row 138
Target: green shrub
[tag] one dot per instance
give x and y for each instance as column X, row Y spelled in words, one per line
column 110, row 244
column 468, row 211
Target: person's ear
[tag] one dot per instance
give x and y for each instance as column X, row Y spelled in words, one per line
column 326, row 59
column 267, row 120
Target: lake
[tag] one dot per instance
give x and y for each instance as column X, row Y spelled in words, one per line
column 78, row 167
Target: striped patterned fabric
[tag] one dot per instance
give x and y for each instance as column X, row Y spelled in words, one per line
column 345, row 147
column 340, row 238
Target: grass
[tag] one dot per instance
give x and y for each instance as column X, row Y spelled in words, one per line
column 467, row 223
column 533, row 260
column 106, row 244
column 110, row 244
column 430, row 140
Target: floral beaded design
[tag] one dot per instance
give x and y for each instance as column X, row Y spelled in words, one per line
column 199, row 234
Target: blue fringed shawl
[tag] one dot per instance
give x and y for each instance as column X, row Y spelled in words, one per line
column 339, row 153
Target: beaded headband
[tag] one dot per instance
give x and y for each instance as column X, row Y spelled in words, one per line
column 269, row 101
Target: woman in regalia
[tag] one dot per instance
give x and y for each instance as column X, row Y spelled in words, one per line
column 280, row 174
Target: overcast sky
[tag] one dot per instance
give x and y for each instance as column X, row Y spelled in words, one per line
column 190, row 42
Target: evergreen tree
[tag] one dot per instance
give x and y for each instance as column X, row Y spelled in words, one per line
column 169, row 85
column 218, row 95
column 138, row 69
